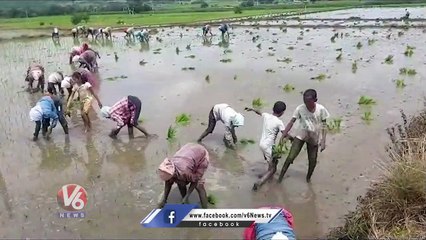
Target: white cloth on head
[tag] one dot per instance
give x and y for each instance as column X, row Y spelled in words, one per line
column 66, row 83
column 36, row 113
column 76, row 58
column 238, row 120
column 105, row 111
column 55, row 30
column 54, row 78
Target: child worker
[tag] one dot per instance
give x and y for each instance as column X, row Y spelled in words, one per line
column 312, row 130
column 125, row 112
column 272, row 125
column 45, row 116
column 232, row 119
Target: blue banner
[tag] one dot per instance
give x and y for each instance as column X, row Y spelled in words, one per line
column 168, row 217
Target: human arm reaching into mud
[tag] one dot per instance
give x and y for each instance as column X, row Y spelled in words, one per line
column 323, row 135
column 253, row 110
column 287, row 129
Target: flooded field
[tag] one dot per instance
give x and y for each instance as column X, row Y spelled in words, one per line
column 119, row 175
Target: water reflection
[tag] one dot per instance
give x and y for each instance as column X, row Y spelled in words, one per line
column 94, row 160
column 144, row 47
column 207, row 41
column 230, row 161
column 54, row 157
column 130, row 154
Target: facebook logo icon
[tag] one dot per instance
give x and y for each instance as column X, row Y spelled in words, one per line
column 169, row 216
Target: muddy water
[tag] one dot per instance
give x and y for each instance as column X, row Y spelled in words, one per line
column 120, row 175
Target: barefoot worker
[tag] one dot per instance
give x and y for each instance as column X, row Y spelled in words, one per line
column 232, row 119
column 187, row 166
column 281, row 228
column 312, row 130
column 35, row 72
column 42, row 113
column 272, row 125
column 83, row 93
column 125, row 112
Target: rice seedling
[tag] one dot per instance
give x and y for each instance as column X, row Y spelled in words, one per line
column 339, row 57
column 409, row 51
column 269, row 70
column 259, row 46
column 354, row 67
column 320, row 77
column 280, row 149
column 141, row 120
column 188, row 47
column 285, row 60
column 191, row 68
column 375, row 32
column 371, row 41
column 183, row 119
column 299, row 38
column 257, row 103
column 235, row 77
column 389, row 59
column 177, row 51
column 400, row 83
column 227, row 51
column 245, row 141
column 190, row 56
column 171, row 133
column 333, row 39
column 367, row 116
column 271, row 54
column 334, row 125
column 226, row 60
column 184, row 69
column 407, row 71
column 359, row 45
column 400, row 34
column 290, row 48
column 207, row 78
column 309, row 44
column 364, row 100
column 288, row 88
column 211, row 199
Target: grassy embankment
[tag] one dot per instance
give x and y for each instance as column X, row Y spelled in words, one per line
column 395, row 206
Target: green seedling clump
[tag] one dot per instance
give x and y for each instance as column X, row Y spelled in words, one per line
column 285, row 60
column 371, row 41
column 177, row 50
column 354, row 67
column 226, row 60
column 183, row 119
column 359, row 45
column 279, row 150
column 290, row 48
column 171, row 133
column 269, row 70
column 400, row 83
column 288, row 88
column 334, row 125
column 190, row 56
column 247, row 141
column 211, row 199
column 389, row 59
column 407, row 71
column 339, row 57
column 409, row 51
column 207, row 78
column 363, row 100
column 320, row 77
column 367, row 116
column 257, row 103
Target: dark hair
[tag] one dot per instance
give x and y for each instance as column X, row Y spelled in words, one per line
column 79, row 76
column 50, row 89
column 279, row 107
column 310, row 93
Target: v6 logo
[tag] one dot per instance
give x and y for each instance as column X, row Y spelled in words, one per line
column 72, row 197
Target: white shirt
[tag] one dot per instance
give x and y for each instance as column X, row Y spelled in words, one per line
column 54, row 78
column 310, row 124
column 66, row 83
column 55, row 30
column 272, row 125
column 223, row 112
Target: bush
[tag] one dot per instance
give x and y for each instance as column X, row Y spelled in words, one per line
column 41, row 23
column 204, row 5
column 79, row 17
column 238, row 10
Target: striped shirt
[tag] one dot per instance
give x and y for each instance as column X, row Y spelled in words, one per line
column 123, row 112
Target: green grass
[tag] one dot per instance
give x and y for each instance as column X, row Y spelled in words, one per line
column 64, row 21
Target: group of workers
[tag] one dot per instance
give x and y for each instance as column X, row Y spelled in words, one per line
column 188, row 165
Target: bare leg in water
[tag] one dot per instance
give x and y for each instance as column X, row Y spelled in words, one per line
column 268, row 176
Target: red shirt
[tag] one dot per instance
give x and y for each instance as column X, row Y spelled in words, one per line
column 123, row 112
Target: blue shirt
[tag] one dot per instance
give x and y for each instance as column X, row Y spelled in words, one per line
column 49, row 110
column 265, row 231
